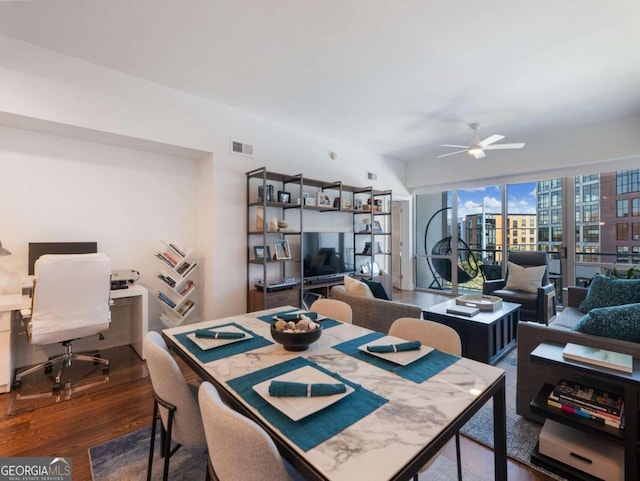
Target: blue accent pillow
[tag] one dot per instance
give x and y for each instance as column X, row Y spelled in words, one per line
column 606, row 291
column 616, row 322
column 377, row 289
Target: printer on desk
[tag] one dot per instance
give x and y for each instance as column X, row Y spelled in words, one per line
column 123, row 278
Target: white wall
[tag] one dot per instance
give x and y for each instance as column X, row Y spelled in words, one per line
column 47, row 91
column 59, row 189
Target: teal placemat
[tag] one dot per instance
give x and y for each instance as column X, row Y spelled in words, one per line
column 223, row 351
column 315, row 428
column 326, row 322
column 418, row 371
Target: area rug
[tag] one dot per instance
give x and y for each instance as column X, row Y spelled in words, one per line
column 125, row 458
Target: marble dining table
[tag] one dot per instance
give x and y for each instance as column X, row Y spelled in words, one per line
column 396, row 419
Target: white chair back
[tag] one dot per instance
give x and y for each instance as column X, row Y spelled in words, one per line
column 169, row 384
column 429, row 333
column 70, row 297
column 239, row 449
column 333, row 308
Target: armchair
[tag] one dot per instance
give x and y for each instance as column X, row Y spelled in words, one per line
column 70, row 300
column 537, row 304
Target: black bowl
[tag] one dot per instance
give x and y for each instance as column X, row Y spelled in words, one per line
column 295, row 341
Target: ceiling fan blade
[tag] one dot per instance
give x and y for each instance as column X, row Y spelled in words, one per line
column 451, row 153
column 490, row 140
column 450, row 145
column 478, row 154
column 505, row 146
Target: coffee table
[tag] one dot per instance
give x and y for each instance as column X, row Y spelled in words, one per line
column 487, row 336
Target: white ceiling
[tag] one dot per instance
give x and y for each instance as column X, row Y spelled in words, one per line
column 399, row 77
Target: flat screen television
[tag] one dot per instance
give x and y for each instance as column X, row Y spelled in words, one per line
column 327, row 254
column 37, row 249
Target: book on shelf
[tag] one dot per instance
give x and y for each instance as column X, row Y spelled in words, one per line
column 170, row 281
column 178, row 250
column 185, row 308
column 594, row 399
column 608, row 420
column 599, row 357
column 186, row 288
column 163, row 258
column 163, row 297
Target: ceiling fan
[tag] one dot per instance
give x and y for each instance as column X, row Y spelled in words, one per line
column 477, row 147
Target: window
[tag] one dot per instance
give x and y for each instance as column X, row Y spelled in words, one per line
column 556, row 216
column 543, row 200
column 635, row 206
column 635, row 231
column 591, row 233
column 543, row 185
column 589, row 178
column 591, row 213
column 622, row 231
column 556, row 198
column 556, row 184
column 514, row 223
column 591, row 193
column 543, row 234
column 556, row 234
column 543, row 217
column 622, row 209
column 636, row 254
column 628, row 181
column 623, row 254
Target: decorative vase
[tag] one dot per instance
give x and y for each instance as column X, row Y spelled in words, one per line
column 273, row 224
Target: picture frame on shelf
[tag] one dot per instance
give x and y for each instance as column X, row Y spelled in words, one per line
column 374, row 268
column 284, row 197
column 376, row 227
column 323, row 200
column 364, row 268
column 310, row 201
column 261, row 253
column 282, row 249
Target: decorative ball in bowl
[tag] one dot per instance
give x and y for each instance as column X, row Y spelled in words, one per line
column 296, row 335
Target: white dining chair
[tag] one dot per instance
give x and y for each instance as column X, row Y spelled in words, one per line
column 238, row 447
column 175, row 404
column 440, row 337
column 333, row 308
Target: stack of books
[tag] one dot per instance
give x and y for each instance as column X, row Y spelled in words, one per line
column 595, row 404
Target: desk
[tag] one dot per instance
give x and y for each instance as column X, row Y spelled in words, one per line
column 135, row 298
column 391, row 442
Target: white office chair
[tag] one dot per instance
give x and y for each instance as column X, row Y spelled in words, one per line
column 440, row 337
column 333, row 308
column 175, row 403
column 239, row 449
column 70, row 300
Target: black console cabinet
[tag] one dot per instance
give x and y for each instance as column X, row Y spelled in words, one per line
column 588, row 374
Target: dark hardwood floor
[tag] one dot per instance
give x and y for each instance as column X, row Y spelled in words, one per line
column 70, row 427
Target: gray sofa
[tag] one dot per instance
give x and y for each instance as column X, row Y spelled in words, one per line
column 376, row 314
column 531, row 377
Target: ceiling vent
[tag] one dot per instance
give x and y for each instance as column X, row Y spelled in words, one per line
column 242, row 149
column 372, row 176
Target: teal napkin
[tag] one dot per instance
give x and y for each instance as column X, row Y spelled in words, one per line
column 402, row 346
column 301, row 389
column 209, row 334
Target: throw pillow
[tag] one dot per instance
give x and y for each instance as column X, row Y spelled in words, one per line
column 616, row 322
column 356, row 288
column 606, row 291
column 525, row 279
column 377, row 289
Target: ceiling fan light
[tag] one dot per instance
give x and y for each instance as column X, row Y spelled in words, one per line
column 475, row 151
